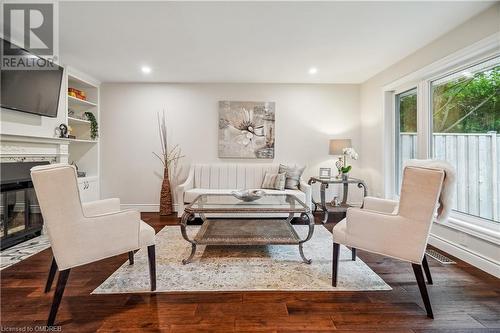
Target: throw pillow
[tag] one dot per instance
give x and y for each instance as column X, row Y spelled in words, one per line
column 274, row 181
column 292, row 176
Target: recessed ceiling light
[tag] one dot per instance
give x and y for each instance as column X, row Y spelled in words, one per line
column 313, row 70
column 146, row 69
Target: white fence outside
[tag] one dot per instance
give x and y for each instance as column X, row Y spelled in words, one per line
column 477, row 161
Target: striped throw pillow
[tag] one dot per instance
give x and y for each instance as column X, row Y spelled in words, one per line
column 274, row 181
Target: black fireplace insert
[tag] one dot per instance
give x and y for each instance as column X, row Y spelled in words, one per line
column 20, row 216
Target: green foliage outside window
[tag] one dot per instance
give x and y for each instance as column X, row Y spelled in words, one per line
column 408, row 113
column 468, row 104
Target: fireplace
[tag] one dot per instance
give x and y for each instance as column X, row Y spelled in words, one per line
column 20, row 216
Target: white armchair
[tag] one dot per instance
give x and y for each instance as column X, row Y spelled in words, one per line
column 84, row 233
column 396, row 229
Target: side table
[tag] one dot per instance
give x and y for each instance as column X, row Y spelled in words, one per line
column 342, row 208
column 325, row 182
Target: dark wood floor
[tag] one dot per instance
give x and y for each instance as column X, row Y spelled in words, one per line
column 464, row 300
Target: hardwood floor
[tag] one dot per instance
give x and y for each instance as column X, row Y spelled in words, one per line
column 464, row 299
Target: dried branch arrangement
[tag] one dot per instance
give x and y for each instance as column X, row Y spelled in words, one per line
column 169, row 157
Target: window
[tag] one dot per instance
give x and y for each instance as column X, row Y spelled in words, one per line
column 465, row 110
column 406, row 130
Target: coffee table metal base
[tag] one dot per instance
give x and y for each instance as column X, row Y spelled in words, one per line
column 246, row 232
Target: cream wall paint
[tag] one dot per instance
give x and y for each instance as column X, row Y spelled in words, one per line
column 307, row 116
column 373, row 127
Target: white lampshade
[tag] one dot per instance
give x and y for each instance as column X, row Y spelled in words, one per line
column 337, row 145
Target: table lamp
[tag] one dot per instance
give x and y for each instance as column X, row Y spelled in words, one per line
column 336, row 148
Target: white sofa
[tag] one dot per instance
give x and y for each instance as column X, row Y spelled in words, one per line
column 225, row 178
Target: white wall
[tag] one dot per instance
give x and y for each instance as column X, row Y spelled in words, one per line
column 375, row 130
column 307, row 116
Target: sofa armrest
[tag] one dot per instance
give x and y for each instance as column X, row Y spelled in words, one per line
column 306, row 188
column 187, row 185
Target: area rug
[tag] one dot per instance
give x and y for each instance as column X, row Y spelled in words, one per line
column 22, row 251
column 242, row 268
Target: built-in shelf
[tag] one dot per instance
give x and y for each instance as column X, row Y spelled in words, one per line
column 83, row 151
column 80, row 103
column 77, row 120
column 75, row 80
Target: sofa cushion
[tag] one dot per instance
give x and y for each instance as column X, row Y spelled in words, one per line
column 192, row 194
column 292, row 175
column 229, row 175
column 274, row 181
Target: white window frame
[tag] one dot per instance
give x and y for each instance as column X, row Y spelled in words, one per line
column 422, row 79
column 397, row 131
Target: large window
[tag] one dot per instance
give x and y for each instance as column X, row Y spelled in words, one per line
column 465, row 110
column 406, row 130
column 453, row 114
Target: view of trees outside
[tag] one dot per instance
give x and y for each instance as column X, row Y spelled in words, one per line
column 469, row 103
column 466, row 128
column 406, row 104
column 408, row 112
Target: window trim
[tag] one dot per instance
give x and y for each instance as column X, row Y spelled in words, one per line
column 478, row 52
column 397, row 129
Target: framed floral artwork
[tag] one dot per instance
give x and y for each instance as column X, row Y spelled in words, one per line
column 246, row 129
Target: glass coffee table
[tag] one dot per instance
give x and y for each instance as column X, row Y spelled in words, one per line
column 241, row 224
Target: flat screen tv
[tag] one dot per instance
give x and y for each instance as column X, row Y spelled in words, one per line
column 28, row 90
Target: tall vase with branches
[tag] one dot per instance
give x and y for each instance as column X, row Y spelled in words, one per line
column 169, row 157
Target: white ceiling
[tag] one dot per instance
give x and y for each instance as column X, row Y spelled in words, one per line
column 348, row 42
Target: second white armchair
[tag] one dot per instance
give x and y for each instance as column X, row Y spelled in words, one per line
column 396, row 229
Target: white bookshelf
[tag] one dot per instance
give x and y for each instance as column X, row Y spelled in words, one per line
column 83, row 150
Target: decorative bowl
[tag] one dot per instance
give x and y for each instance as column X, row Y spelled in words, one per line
column 248, row 195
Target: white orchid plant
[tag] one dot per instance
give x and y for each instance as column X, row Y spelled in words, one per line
column 351, row 153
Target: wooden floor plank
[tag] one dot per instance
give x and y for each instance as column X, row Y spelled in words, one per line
column 465, row 300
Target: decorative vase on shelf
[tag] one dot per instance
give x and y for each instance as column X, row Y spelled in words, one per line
column 165, row 195
column 345, row 177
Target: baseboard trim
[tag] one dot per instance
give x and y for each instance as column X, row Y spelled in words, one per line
column 145, row 208
column 462, row 253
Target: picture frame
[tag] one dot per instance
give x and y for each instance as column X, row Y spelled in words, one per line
column 246, row 129
column 325, row 172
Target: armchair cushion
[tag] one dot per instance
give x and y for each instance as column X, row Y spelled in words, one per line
column 386, row 234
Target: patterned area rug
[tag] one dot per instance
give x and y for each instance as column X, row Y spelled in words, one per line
column 242, row 268
column 24, row 250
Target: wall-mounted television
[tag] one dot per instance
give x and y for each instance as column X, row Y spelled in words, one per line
column 28, row 90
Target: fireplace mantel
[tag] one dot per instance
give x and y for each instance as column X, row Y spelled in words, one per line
column 18, row 148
